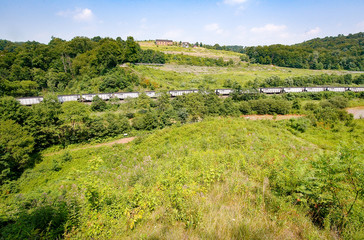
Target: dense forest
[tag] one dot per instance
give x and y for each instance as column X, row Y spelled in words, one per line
column 341, row 52
column 30, row 67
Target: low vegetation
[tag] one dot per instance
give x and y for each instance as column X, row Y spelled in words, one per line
column 221, row 178
column 197, row 168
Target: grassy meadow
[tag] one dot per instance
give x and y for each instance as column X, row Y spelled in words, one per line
column 173, row 76
column 178, row 76
column 222, row 178
column 192, row 51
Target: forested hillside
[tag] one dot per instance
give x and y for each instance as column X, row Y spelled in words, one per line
column 79, row 64
column 341, row 52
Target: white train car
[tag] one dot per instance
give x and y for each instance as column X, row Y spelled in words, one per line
column 337, row 89
column 104, row 96
column 68, row 98
column 271, row 90
column 293, row 89
column 175, row 93
column 315, row 89
column 120, row 96
column 130, row 95
column 88, row 97
column 223, row 91
column 27, row 101
column 356, row 89
column 151, row 94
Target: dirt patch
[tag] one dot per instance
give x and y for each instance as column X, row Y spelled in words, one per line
column 271, row 117
column 191, row 69
column 119, row 141
column 358, row 112
column 205, row 54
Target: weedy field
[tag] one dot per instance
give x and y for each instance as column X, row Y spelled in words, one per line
column 174, row 76
column 192, row 51
column 222, row 178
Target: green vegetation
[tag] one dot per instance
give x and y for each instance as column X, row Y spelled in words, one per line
column 341, row 52
column 223, row 177
column 78, row 65
column 171, row 76
column 84, row 65
column 197, row 168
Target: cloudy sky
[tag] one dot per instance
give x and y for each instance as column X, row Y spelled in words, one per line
column 227, row 22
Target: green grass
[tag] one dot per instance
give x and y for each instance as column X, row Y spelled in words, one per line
column 199, row 51
column 208, row 180
column 172, row 76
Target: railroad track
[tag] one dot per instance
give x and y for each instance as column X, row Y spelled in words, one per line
column 174, row 93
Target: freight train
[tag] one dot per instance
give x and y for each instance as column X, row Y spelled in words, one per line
column 174, row 93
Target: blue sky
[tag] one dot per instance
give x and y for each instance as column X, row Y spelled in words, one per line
column 227, row 22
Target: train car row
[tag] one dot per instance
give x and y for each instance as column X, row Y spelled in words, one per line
column 175, row 93
column 310, row 89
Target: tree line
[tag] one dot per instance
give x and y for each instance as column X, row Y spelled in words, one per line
column 30, row 67
column 341, row 52
column 304, row 81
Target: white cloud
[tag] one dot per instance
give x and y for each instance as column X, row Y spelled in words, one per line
column 313, row 31
column 234, row 2
column 268, row 28
column 83, row 15
column 214, row 27
column 80, row 15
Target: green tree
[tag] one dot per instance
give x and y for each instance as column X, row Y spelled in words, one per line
column 74, row 112
column 132, row 50
column 98, row 104
column 10, row 109
column 16, row 145
column 44, row 121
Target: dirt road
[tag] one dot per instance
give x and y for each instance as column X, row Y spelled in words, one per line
column 119, row 141
column 358, row 112
column 271, row 117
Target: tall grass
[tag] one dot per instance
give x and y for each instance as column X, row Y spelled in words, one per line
column 214, row 179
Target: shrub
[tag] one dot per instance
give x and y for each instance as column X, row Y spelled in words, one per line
column 147, row 121
column 339, row 102
column 299, row 124
column 244, row 107
column 98, row 104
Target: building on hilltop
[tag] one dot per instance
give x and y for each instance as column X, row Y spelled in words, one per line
column 186, row 44
column 163, row 42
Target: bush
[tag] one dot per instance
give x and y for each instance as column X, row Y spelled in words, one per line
column 299, row 124
column 339, row 102
column 147, row 121
column 98, row 105
column 270, row 106
column 244, row 107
